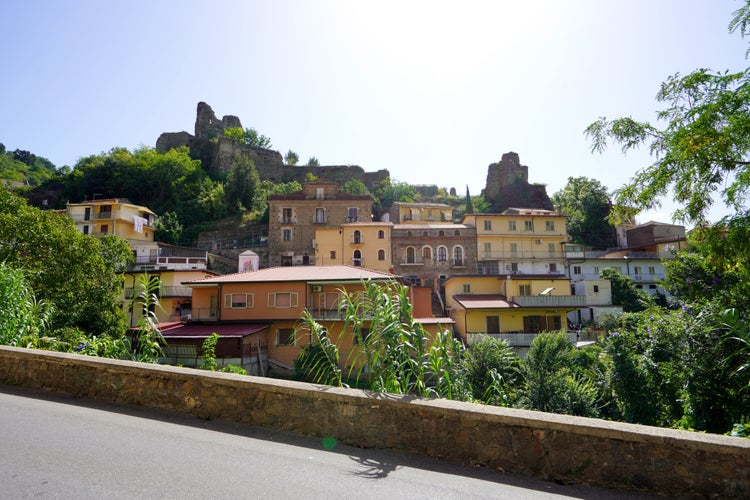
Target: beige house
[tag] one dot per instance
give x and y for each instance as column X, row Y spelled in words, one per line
column 420, row 213
column 365, row 244
column 520, row 241
column 293, row 219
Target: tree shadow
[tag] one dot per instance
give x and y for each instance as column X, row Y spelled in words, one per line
column 372, row 468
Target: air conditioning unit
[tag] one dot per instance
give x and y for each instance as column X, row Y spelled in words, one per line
column 317, row 288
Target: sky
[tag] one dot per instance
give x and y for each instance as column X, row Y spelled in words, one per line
column 434, row 91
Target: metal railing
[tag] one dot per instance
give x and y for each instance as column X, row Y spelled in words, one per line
column 514, row 339
column 550, row 300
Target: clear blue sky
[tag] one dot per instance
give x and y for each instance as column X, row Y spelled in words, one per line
column 433, row 91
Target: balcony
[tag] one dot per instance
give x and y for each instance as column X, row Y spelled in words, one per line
column 550, row 300
column 514, row 339
column 357, row 240
column 522, row 255
column 412, row 262
column 165, row 292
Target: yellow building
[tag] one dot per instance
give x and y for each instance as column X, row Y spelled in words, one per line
column 520, row 241
column 365, row 244
column 514, row 308
column 420, row 213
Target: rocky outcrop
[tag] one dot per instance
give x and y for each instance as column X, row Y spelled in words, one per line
column 508, row 186
column 217, row 153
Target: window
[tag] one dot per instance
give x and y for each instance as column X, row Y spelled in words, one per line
column 357, row 258
column 357, row 237
column 524, row 290
column 361, row 337
column 466, row 288
column 352, row 214
column 85, row 230
column 651, row 270
column 282, row 300
column 425, row 234
column 551, row 248
column 458, row 256
column 652, row 287
column 381, row 234
column 411, row 255
column 442, row 254
column 513, row 267
column 441, row 233
column 426, row 253
column 528, row 225
column 596, row 288
column 549, row 225
column 105, row 229
column 487, row 249
column 514, row 250
column 238, row 300
column 286, row 234
column 285, row 336
column 488, row 225
column 286, row 215
column 511, row 225
column 493, row 324
column 553, row 268
column 576, row 269
column 333, row 254
column 456, row 233
column 637, row 270
column 320, row 215
column 539, row 324
column 320, row 193
column 596, row 270
column 381, row 254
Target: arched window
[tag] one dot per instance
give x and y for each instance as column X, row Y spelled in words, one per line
column 411, row 256
column 426, row 254
column 357, row 238
column 442, row 254
column 381, row 254
column 457, row 233
column 408, row 233
column 357, row 258
column 381, row 234
column 425, row 234
column 441, row 233
column 458, row 256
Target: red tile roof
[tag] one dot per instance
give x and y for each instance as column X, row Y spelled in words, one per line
column 181, row 330
column 297, row 273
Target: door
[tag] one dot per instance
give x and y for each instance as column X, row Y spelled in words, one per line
column 493, row 324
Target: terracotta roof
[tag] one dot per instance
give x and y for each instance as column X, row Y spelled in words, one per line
column 181, row 330
column 297, row 273
column 484, row 301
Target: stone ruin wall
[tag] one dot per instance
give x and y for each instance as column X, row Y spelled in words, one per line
column 217, row 152
column 508, row 186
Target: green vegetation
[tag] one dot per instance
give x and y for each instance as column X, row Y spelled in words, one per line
column 587, row 205
column 249, row 137
column 291, row 158
column 23, row 166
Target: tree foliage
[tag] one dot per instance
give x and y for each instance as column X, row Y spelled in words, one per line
column 23, row 166
column 74, row 273
column 242, row 183
column 624, row 292
column 702, row 148
column 587, row 204
column 313, row 162
column 291, row 158
column 249, row 137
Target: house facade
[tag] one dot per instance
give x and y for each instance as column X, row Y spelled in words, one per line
column 275, row 298
column 420, row 213
column 293, row 219
column 520, row 241
column 513, row 308
column 359, row 244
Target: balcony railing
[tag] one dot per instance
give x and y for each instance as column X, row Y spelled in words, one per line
column 514, row 339
column 357, row 240
column 414, row 262
column 521, row 255
column 550, row 300
column 165, row 292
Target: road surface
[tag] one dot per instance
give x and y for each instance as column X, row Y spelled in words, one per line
column 59, row 447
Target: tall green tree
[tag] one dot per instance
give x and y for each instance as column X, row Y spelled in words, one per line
column 313, row 162
column 702, row 148
column 75, row 273
column 469, row 204
column 291, row 158
column 587, row 204
column 242, row 183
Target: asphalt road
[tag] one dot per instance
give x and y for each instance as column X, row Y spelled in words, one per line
column 59, row 447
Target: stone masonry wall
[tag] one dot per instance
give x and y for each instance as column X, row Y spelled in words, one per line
column 555, row 447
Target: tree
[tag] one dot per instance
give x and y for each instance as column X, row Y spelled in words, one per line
column 74, row 273
column 624, row 292
column 291, row 158
column 168, row 228
column 469, row 205
column 355, row 186
column 22, row 317
column 249, row 137
column 313, row 162
column 242, row 183
column 702, row 148
column 587, row 205
column 492, row 371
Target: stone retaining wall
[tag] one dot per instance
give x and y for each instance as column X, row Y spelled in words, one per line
column 555, row 447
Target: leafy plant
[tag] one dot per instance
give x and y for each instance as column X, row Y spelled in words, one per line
column 148, row 344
